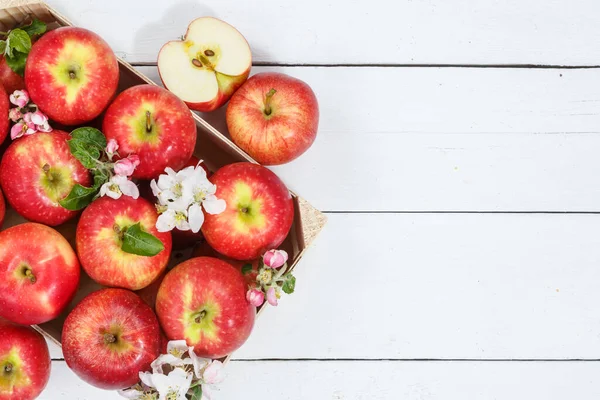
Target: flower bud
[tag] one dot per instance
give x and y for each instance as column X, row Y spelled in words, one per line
column 275, row 258
column 255, row 297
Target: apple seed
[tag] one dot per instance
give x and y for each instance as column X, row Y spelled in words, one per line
column 209, row 53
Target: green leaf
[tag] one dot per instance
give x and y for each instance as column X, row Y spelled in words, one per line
column 16, row 62
column 290, row 284
column 100, row 177
column 36, row 27
column 79, row 197
column 91, row 136
column 136, row 241
column 2, row 46
column 196, row 393
column 87, row 155
column 246, row 269
column 18, row 40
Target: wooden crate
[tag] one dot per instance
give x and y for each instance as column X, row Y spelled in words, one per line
column 212, row 146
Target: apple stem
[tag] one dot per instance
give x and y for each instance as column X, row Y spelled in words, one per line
column 8, row 367
column 29, row 275
column 46, row 169
column 268, row 101
column 200, row 316
column 72, row 75
column 109, row 338
column 148, row 122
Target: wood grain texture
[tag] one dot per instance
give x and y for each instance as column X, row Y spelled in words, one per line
column 293, row 380
column 450, row 286
column 449, row 139
column 559, row 32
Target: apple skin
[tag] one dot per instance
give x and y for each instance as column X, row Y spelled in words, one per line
column 25, row 352
column 213, row 293
column 71, row 74
column 287, row 131
column 9, row 79
column 110, row 337
column 4, row 107
column 259, row 212
column 28, row 188
column 172, row 137
column 39, row 273
column 99, row 246
column 2, row 209
column 227, row 84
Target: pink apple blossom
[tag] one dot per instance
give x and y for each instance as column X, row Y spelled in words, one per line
column 40, row 120
column 19, row 98
column 272, row 296
column 213, row 374
column 126, row 166
column 21, row 129
column 275, row 258
column 112, row 146
column 255, row 297
column 15, row 114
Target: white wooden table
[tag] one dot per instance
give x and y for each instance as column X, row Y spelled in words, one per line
column 458, row 160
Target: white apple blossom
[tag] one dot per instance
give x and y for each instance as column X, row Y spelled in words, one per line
column 171, row 219
column 173, row 386
column 119, row 185
column 168, row 359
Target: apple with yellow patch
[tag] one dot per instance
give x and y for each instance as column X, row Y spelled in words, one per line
column 205, row 68
column 71, row 75
column 24, row 362
column 36, row 172
column 203, row 300
column 39, row 273
column 99, row 239
column 154, row 124
column 259, row 212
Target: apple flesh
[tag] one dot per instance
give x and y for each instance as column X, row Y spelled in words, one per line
column 207, row 66
column 99, row 241
column 273, row 117
column 149, row 121
column 203, row 300
column 4, row 106
column 38, row 171
column 39, row 274
column 71, row 75
column 9, row 79
column 259, row 212
column 24, row 362
column 110, row 337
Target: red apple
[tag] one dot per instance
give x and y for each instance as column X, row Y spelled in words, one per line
column 153, row 123
column 9, row 79
column 4, row 106
column 99, row 241
column 273, row 117
column 203, row 300
column 2, row 209
column 24, row 362
column 259, row 212
column 71, row 74
column 39, row 274
column 207, row 66
column 38, row 171
column 110, row 337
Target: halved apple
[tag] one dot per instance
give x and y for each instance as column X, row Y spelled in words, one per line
column 207, row 66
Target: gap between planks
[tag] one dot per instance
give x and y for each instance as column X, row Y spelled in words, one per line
column 344, row 65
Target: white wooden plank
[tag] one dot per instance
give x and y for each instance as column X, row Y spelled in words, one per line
column 297, row 380
column 380, row 31
column 451, row 286
column 450, row 139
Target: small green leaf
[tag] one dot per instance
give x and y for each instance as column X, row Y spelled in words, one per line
column 36, row 27
column 2, row 46
column 79, row 197
column 290, row 284
column 16, row 62
column 100, row 177
column 196, row 393
column 136, row 241
column 18, row 40
column 246, row 269
column 86, row 154
column 91, row 136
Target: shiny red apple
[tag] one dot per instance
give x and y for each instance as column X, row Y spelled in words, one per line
column 9, row 79
column 39, row 274
column 38, row 171
column 71, row 74
column 24, row 362
column 259, row 213
column 99, row 240
column 203, row 300
column 273, row 117
column 2, row 209
column 110, row 337
column 153, row 123
column 4, row 107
